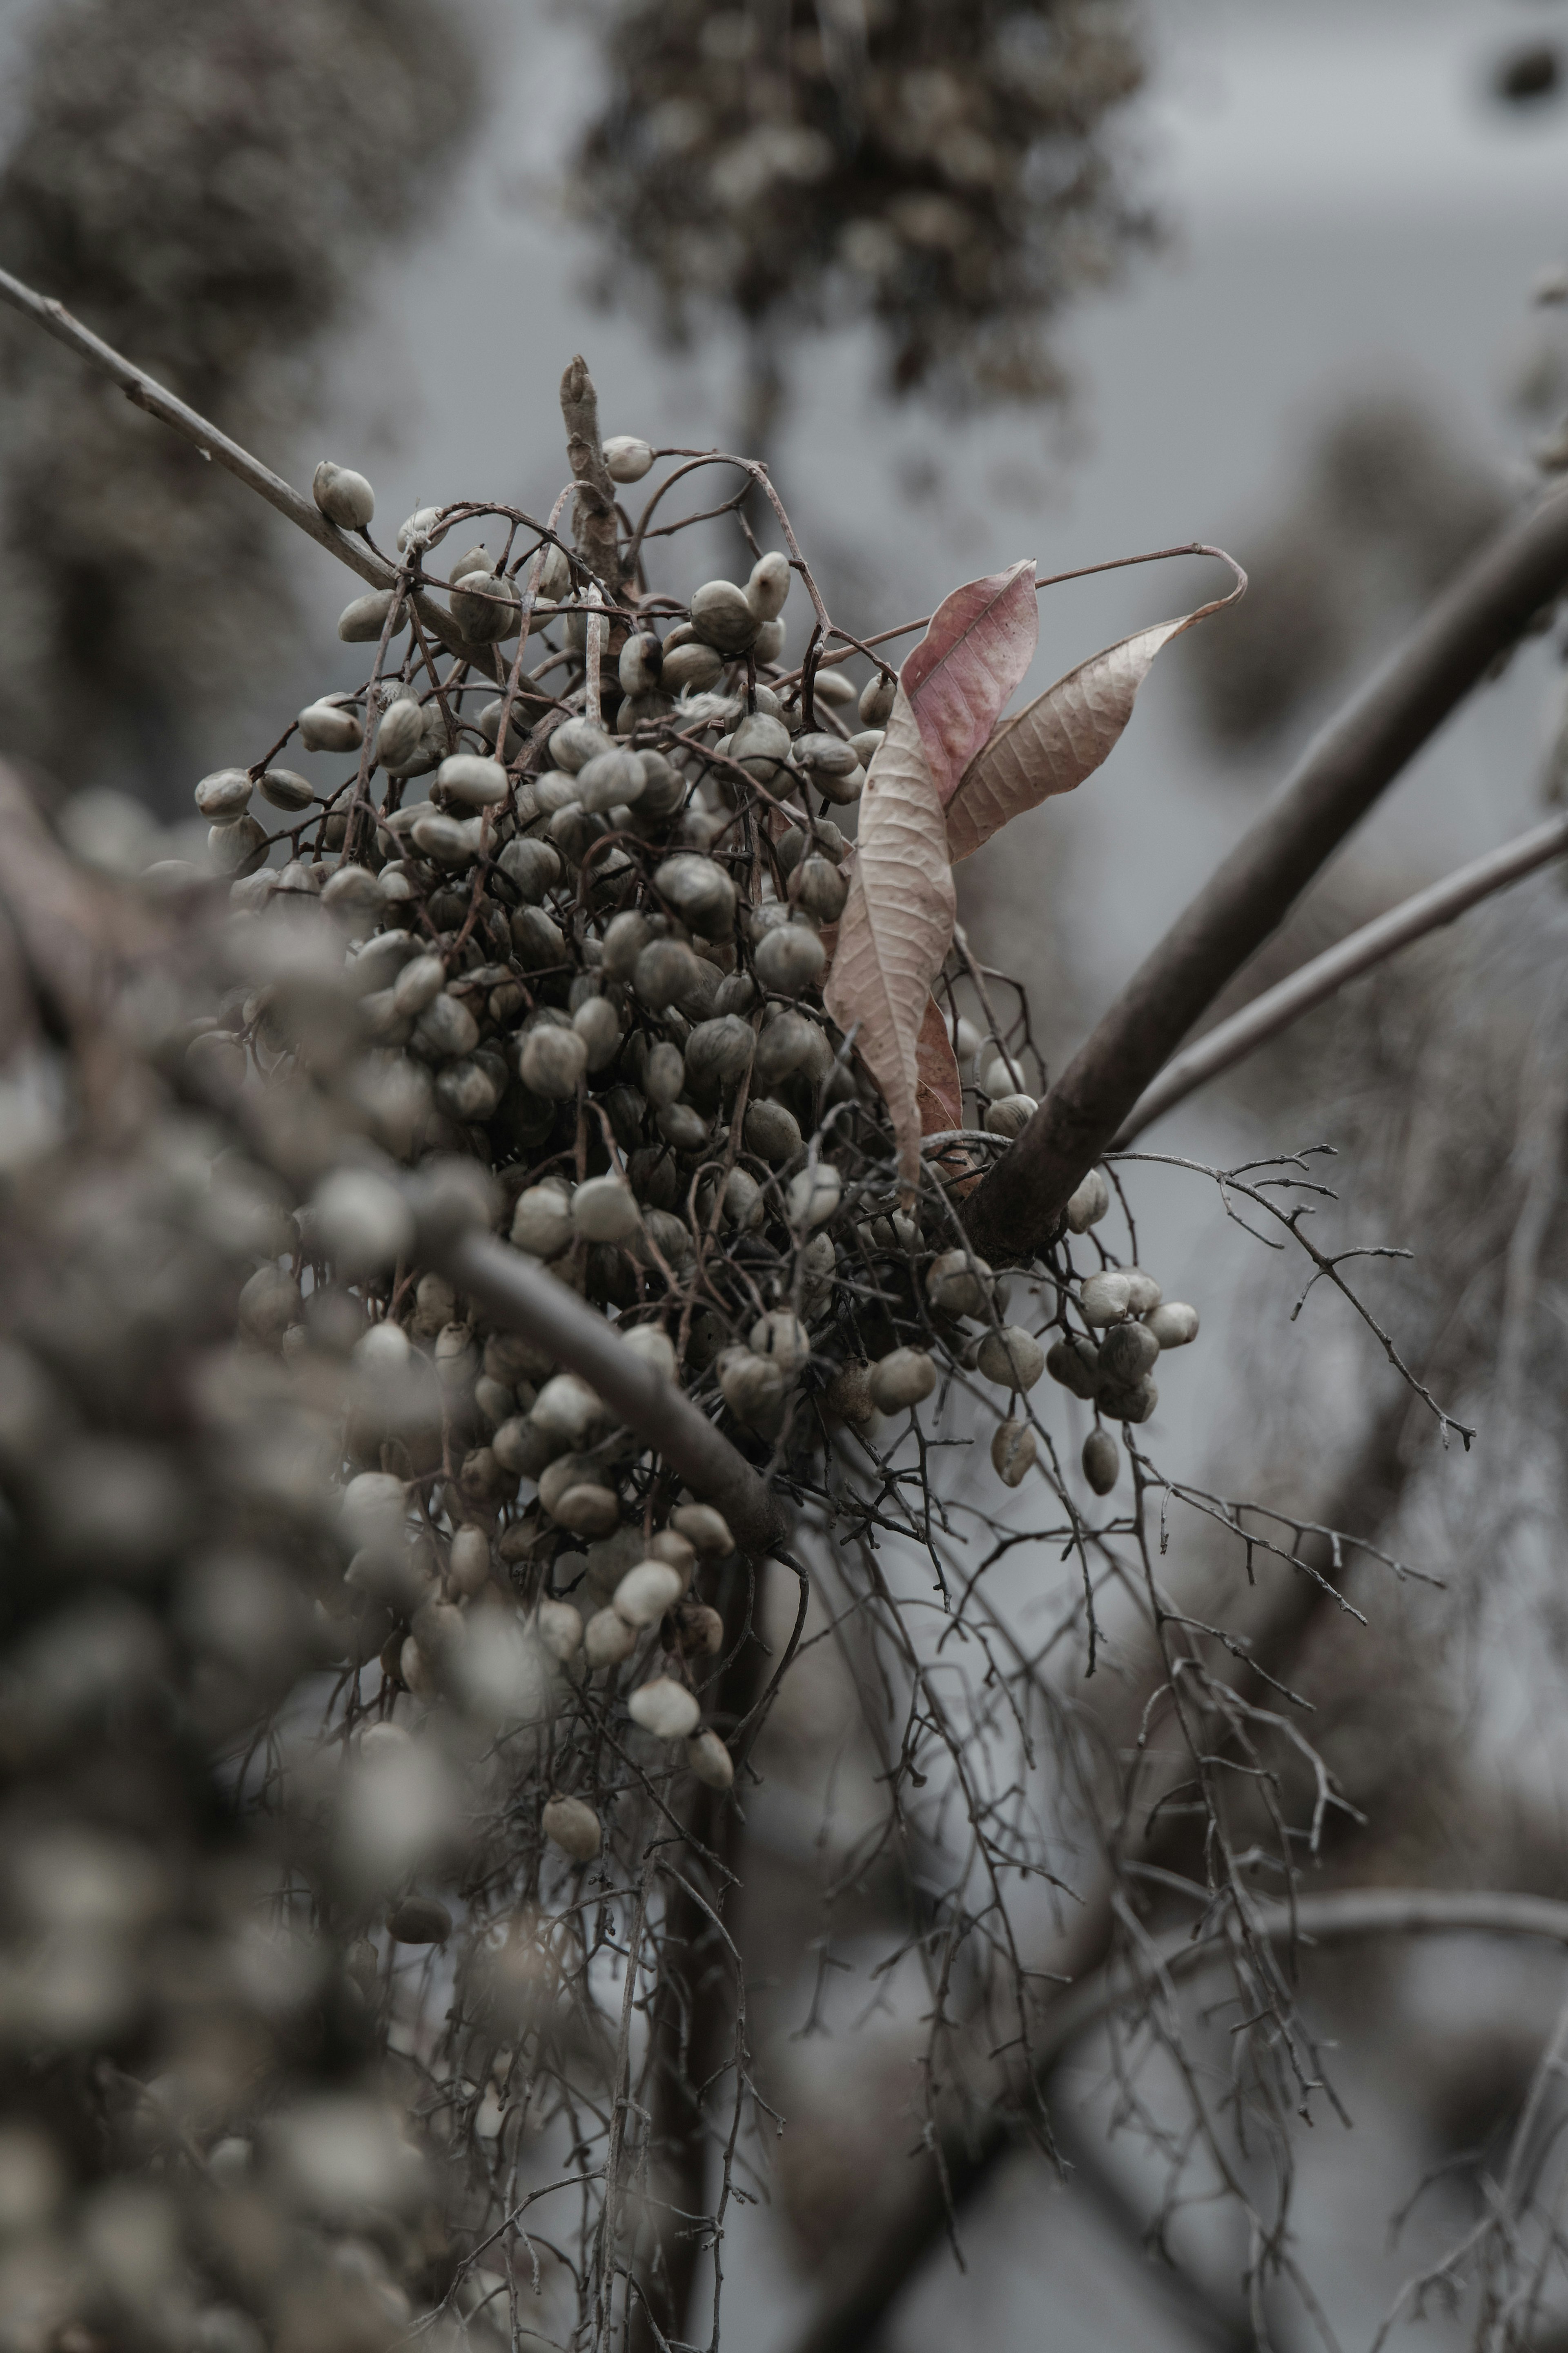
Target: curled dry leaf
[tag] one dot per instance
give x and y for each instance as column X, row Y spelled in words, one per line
column 897, row 924
column 1060, row 738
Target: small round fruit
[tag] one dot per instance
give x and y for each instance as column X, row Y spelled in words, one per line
column 573, row 1827
column 344, row 497
column 706, row 1528
column 710, row 1761
column 627, row 458
column 1012, row 1452
column 1173, row 1323
column 1105, row 1298
column 1101, row 1461
column 1013, row 1356
column 665, row 1708
column 901, row 1378
column 1088, row 1204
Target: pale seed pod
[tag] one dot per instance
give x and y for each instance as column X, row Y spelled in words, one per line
column 665, row 1073
column 780, row 1337
column 1010, row 1115
column 476, row 560
column 560, row 1630
column 422, row 529
column 876, row 699
column 610, row 780
column 446, row 1030
column 533, row 867
column 669, row 1234
column 813, row 1197
column 472, row 782
column 665, row 1708
column 821, row 839
column 866, row 744
column 789, row 959
column 469, row 1090
column 361, row 1221
column 665, row 973
column 555, row 572
column 1012, row 1452
column 573, row 1827
column 1173, row 1323
column 1105, row 1298
column 753, row 1387
column 445, row 838
column 822, row 755
column 512, row 1359
column 588, row 1510
column 700, row 893
column 706, row 1528
column 352, row 890
column 542, row 1222
column 536, row 939
column 414, row 1668
column 682, row 1126
column 487, row 608
column 364, row 619
column 772, row 1133
column 567, row 1409
column 786, row 1042
column 551, row 1064
column 842, row 791
column 328, row 727
column 1129, row 1405
column 607, row 1639
column 959, row 1284
column 561, row 1472
column 383, row 1022
column 768, row 587
column 419, row 1920
column 627, row 459
column 626, row 937
column 719, row 1052
column 966, row 1040
column 722, row 618
column 832, row 686
column 238, row 845
column 736, row 993
column 555, row 790
column 710, row 1761
column 575, row 830
column 694, row 669
column 1143, row 1294
column 418, row 984
column 468, row 1569
column 598, row 1025
column 641, row 663
column 490, row 727
column 224, row 793
column 761, row 743
column 819, row 890
column 494, row 1404
column 603, row 1209
column 1101, row 1461
column 664, row 786
column 1012, row 1356
column 743, row 1202
column 654, row 1347
column 344, row 497
column 269, row 1303
column 1089, row 1203
column 400, row 739
column 902, row 1378
column 1075, row 1363
column 576, row 742
column 285, row 790
column 645, row 1592
column 1127, row 1353
column 819, row 1268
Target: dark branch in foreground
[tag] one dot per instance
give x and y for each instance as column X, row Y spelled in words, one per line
column 1016, row 1208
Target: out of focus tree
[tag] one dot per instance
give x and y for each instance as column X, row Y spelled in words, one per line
column 946, row 171
column 205, row 186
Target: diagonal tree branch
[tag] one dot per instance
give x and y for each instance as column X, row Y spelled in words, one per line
column 1016, row 1209
column 1312, row 983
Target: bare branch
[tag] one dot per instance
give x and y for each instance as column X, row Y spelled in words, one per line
column 1018, row 1208
column 1425, row 911
column 596, row 525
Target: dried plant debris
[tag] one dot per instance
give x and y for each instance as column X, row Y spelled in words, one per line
column 377, row 1702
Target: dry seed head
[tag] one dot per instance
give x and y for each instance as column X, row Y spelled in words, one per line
column 542, row 1222
column 224, row 793
column 682, row 1126
column 1012, row 1452
column 1012, row 1356
column 1089, row 1203
column 706, row 1528
column 551, row 1064
column 446, row 840
column 664, row 786
column 573, row 1827
column 328, row 727
column 665, row 1708
column 627, row 459
column 1011, row 1115
column 1173, row 1323
column 645, row 1592
column 1105, row 1298
column 710, row 1761
column 474, row 783
column 848, row 1394
column 1101, row 1461
column 344, row 497
column 902, row 1378
column 603, row 1209
column 555, row 573
column 814, row 1195
column 789, row 959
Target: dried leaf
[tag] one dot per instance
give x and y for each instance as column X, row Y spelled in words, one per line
column 1057, row 740
column 939, row 1090
column 897, row 924
column 972, row 660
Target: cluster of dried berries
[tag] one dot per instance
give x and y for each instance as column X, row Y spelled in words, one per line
column 944, row 169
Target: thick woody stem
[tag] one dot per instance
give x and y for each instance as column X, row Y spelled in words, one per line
column 1017, row 1211
column 597, row 530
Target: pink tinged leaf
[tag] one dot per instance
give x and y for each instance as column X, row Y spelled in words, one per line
column 897, row 924
column 1057, row 740
column 939, row 1090
column 971, row 662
